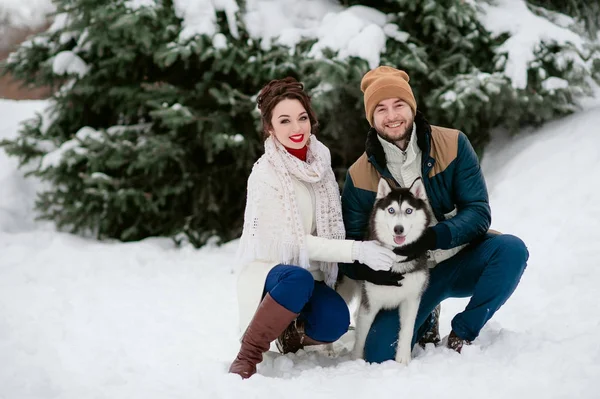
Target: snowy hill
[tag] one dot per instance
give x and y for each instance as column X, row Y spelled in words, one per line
column 79, row 318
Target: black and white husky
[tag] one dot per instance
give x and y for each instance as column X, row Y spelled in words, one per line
column 399, row 218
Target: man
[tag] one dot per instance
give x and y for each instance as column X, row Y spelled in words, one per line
column 465, row 259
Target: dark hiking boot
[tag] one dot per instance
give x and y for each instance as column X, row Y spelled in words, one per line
column 294, row 338
column 455, row 343
column 433, row 335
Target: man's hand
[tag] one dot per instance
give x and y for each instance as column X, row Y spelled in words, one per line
column 378, row 277
column 419, row 247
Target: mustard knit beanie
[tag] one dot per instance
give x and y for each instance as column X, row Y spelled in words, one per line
column 386, row 82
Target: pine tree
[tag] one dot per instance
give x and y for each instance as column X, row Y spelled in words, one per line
column 149, row 134
column 583, row 10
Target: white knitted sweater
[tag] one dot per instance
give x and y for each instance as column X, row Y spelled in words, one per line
column 271, row 235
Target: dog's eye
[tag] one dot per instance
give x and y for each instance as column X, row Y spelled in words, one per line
column 391, row 210
column 409, row 211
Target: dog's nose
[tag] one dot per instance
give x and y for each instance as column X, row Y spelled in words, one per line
column 399, row 229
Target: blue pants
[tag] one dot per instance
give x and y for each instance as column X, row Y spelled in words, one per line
column 488, row 271
column 324, row 312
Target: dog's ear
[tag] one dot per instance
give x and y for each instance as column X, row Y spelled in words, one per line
column 383, row 189
column 418, row 189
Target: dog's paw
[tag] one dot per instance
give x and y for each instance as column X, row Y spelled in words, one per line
column 356, row 355
column 403, row 358
column 329, row 350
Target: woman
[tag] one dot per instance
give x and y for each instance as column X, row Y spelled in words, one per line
column 293, row 236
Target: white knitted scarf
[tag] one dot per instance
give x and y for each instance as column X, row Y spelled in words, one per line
column 273, row 229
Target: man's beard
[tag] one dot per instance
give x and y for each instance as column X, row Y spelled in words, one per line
column 404, row 136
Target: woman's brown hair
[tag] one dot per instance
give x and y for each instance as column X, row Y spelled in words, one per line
column 277, row 90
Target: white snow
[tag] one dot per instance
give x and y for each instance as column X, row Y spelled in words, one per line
column 100, row 176
column 67, row 62
column 219, row 41
column 353, row 31
column 25, row 14
column 119, row 129
column 54, row 158
column 553, row 83
column 87, row 132
column 395, row 33
column 469, row 85
column 83, row 44
column 137, row 4
column 60, row 22
column 199, row 16
column 527, row 31
column 80, row 318
column 17, row 194
column 196, row 20
column 287, row 20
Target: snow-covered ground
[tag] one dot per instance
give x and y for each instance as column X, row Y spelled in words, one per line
column 87, row 319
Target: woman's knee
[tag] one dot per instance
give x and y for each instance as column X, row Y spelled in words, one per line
column 302, row 278
column 290, row 286
column 295, row 276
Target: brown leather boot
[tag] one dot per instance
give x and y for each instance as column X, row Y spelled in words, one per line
column 455, row 343
column 294, row 338
column 268, row 322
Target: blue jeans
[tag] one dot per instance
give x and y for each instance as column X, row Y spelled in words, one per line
column 488, row 271
column 324, row 312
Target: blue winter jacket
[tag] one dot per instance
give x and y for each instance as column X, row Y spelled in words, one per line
column 452, row 178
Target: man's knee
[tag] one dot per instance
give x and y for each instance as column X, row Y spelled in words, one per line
column 337, row 325
column 340, row 319
column 383, row 337
column 513, row 252
column 329, row 318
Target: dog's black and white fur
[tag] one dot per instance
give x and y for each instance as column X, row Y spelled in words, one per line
column 399, row 218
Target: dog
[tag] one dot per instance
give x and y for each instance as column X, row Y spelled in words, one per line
column 399, row 218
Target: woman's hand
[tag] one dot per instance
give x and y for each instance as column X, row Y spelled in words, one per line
column 373, row 254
